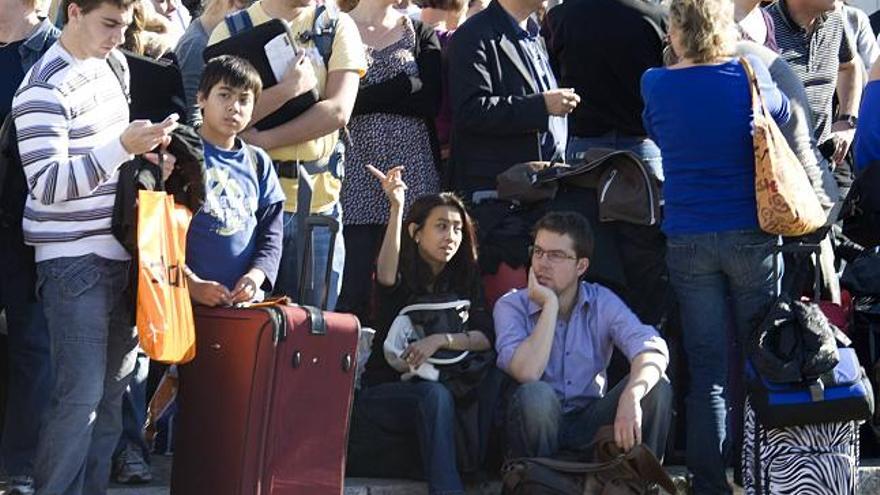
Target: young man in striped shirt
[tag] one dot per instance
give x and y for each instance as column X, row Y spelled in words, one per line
column 73, row 134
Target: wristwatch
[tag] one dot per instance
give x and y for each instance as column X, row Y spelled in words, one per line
column 852, row 120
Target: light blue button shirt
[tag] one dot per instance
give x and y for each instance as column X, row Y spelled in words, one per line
column 582, row 346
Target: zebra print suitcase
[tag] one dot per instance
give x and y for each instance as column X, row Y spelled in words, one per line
column 820, row 458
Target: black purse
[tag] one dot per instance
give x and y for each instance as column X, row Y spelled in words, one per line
column 460, row 371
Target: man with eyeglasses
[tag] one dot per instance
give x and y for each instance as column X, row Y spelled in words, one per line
column 556, row 339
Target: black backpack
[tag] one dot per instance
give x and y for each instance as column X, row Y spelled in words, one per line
column 861, row 210
column 13, row 183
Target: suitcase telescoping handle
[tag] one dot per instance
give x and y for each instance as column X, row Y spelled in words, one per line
column 306, row 277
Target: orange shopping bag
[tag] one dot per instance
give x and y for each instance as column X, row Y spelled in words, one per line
column 164, row 311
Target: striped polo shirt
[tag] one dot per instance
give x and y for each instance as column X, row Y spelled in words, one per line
column 70, row 114
column 815, row 57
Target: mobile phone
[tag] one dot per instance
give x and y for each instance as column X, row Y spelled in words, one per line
column 170, row 119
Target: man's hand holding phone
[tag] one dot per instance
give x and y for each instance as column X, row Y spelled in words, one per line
column 142, row 136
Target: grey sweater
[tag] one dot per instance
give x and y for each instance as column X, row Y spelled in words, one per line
column 797, row 130
column 189, row 56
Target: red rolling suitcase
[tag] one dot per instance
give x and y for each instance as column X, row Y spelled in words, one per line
column 264, row 407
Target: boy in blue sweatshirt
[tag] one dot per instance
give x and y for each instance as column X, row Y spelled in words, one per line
column 234, row 241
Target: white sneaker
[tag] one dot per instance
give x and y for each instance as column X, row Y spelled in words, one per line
column 20, row 485
column 131, row 468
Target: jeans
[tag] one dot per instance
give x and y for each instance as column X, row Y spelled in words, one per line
column 93, row 346
column 29, row 366
column 134, row 408
column 288, row 272
column 706, row 270
column 425, row 410
column 537, row 426
column 641, row 146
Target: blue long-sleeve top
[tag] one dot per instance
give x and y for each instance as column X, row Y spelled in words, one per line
column 867, row 145
column 701, row 118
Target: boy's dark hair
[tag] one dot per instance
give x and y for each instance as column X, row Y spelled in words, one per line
column 234, row 71
column 572, row 224
column 89, row 5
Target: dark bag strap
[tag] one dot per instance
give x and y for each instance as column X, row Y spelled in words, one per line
column 8, row 150
column 238, row 22
column 324, row 31
column 256, row 163
column 118, row 69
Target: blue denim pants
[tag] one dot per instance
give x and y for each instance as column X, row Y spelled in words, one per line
column 641, row 146
column 426, row 410
column 288, row 272
column 708, row 272
column 93, row 348
column 29, row 366
column 537, row 426
column 134, row 408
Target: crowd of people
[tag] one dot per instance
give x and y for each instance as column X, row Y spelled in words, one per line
column 419, row 109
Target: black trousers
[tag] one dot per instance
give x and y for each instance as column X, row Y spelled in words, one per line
column 362, row 243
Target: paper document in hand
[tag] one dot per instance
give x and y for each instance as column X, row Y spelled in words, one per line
column 281, row 53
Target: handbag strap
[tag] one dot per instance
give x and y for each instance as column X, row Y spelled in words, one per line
column 573, row 467
column 640, row 459
column 758, row 105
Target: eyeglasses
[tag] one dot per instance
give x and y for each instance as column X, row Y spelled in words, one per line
column 555, row 256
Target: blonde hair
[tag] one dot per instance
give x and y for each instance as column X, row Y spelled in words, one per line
column 705, row 27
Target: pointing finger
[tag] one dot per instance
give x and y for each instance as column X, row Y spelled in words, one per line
column 376, row 173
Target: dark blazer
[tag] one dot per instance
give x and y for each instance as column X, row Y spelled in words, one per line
column 498, row 111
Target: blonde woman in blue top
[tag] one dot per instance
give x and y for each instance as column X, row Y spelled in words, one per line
column 698, row 111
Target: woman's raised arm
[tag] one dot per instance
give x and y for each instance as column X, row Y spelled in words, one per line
column 389, row 254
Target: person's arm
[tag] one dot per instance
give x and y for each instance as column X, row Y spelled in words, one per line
column 298, row 79
column 867, row 140
column 849, row 94
column 849, row 90
column 776, row 101
column 477, row 105
column 53, row 175
column 189, row 56
column 867, row 43
column 646, row 369
column 389, row 254
column 415, row 96
column 647, row 84
column 419, row 351
column 267, row 249
column 206, row 292
column 324, row 117
column 267, row 253
column 649, row 357
column 531, row 356
column 798, row 130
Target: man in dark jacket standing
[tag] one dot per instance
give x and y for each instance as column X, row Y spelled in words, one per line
column 601, row 48
column 506, row 105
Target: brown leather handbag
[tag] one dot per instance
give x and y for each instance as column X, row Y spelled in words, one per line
column 787, row 204
column 614, row 472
